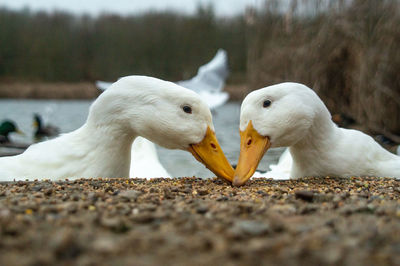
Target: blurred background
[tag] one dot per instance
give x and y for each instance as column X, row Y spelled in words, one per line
column 52, row 52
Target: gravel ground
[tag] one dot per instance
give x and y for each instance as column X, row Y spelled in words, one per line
column 191, row 221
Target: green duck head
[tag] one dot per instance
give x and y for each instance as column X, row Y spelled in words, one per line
column 7, row 127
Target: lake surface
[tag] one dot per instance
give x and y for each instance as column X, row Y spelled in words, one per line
column 69, row 115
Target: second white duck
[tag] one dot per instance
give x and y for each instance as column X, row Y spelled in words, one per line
column 292, row 115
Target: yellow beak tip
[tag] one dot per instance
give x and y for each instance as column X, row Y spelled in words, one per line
column 237, row 182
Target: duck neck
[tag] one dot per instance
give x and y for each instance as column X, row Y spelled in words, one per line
column 108, row 140
column 320, row 138
column 109, row 147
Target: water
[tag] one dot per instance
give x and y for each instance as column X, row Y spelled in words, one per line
column 69, row 115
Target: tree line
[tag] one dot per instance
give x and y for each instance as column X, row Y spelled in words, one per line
column 60, row 46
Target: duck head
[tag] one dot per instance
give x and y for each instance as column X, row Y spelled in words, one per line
column 7, row 127
column 164, row 113
column 274, row 116
column 37, row 121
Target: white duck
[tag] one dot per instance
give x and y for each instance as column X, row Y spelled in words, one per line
column 292, row 115
column 208, row 83
column 163, row 112
column 144, row 157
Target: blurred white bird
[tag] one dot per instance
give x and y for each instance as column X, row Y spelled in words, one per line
column 210, row 80
column 102, row 85
column 279, row 171
column 144, row 160
column 208, row 83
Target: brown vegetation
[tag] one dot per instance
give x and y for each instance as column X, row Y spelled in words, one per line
column 38, row 90
column 348, row 53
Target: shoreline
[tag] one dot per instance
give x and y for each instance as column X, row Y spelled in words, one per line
column 76, row 90
column 310, row 221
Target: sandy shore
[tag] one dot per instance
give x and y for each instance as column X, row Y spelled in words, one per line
column 200, row 222
column 82, row 90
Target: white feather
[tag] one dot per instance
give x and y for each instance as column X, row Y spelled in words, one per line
column 279, row 171
column 144, row 161
column 211, row 76
column 103, row 85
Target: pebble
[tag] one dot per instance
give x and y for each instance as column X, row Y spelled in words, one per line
column 305, row 195
column 252, row 228
column 202, row 209
column 130, row 194
column 202, row 192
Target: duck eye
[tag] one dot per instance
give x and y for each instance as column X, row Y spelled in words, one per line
column 266, row 103
column 187, row 109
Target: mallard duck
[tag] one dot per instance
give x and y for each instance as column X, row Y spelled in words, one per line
column 7, row 127
column 160, row 111
column 41, row 130
column 292, row 115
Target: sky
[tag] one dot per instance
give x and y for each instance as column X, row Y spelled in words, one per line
column 126, row 7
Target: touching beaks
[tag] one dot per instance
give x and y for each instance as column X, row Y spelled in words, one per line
column 252, row 148
column 209, row 153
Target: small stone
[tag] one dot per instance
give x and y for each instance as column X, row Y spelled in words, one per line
column 252, row 228
column 104, row 245
column 168, row 194
column 109, row 189
column 37, row 188
column 286, row 209
column 21, row 183
column 115, row 224
column 222, row 198
column 153, row 190
column 143, row 218
column 130, row 194
column 65, row 244
column 202, row 209
column 92, row 196
column 262, row 193
column 48, row 192
column 305, row 195
column 202, row 192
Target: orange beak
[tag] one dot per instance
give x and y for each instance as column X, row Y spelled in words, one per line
column 209, row 153
column 252, row 148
